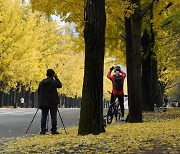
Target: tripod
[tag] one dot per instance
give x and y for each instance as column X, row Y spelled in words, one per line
column 47, row 122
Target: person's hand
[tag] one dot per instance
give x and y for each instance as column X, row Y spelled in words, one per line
column 112, row 68
column 55, row 76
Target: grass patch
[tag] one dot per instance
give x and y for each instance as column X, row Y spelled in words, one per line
column 159, row 133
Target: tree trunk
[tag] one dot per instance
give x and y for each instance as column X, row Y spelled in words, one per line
column 160, row 94
column 27, row 98
column 149, row 70
column 11, row 98
column 91, row 114
column 147, row 92
column 154, row 76
column 154, row 81
column 14, row 98
column 146, row 84
column 33, row 99
column 133, row 53
column 1, row 99
column 5, row 100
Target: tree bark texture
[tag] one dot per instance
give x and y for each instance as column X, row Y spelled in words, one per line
column 133, row 54
column 147, row 91
column 154, row 81
column 149, row 70
column 91, row 114
column 154, row 69
column 160, row 95
column 1, row 99
column 146, row 85
column 27, row 98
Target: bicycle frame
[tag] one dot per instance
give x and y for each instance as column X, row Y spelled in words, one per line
column 113, row 110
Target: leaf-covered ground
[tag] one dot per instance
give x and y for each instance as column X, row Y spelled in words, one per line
column 159, row 133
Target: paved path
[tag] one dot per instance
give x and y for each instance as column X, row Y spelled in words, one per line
column 14, row 122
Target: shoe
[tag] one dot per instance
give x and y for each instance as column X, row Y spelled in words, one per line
column 56, row 132
column 122, row 119
column 43, row 132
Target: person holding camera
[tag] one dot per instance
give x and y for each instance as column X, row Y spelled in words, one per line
column 48, row 100
column 117, row 83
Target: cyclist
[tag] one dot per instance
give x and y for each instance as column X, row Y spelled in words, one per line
column 117, row 83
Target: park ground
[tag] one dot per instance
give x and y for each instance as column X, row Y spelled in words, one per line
column 159, row 133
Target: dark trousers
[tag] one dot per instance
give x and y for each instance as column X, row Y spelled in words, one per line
column 22, row 105
column 53, row 112
column 121, row 102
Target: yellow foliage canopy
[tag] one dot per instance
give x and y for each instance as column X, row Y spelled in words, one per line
column 28, row 43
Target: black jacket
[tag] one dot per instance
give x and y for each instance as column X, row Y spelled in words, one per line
column 47, row 92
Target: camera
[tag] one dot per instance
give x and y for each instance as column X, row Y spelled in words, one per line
column 117, row 68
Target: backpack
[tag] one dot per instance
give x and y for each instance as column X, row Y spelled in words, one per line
column 118, row 82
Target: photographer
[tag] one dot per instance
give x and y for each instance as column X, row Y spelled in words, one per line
column 117, row 83
column 48, row 100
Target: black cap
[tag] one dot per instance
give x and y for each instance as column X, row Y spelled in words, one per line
column 50, row 72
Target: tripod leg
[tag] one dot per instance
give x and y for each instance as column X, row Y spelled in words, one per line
column 62, row 121
column 32, row 121
column 47, row 122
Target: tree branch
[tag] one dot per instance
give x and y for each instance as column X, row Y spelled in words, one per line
column 172, row 86
column 115, row 38
column 166, row 24
column 123, row 36
column 166, row 7
column 148, row 6
column 74, row 12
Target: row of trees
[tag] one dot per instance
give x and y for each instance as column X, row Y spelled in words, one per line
column 13, row 98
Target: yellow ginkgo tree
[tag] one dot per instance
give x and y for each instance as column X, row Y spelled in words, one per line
column 29, row 44
column 166, row 27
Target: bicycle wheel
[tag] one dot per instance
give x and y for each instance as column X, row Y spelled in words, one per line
column 119, row 114
column 109, row 119
column 116, row 114
column 109, row 116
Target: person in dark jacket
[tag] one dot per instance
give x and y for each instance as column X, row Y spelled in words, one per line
column 165, row 101
column 48, row 100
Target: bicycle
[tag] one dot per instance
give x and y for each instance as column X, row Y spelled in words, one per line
column 159, row 109
column 113, row 111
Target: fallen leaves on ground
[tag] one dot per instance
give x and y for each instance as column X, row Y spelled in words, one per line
column 159, row 132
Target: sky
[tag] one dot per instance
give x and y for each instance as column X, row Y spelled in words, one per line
column 57, row 18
